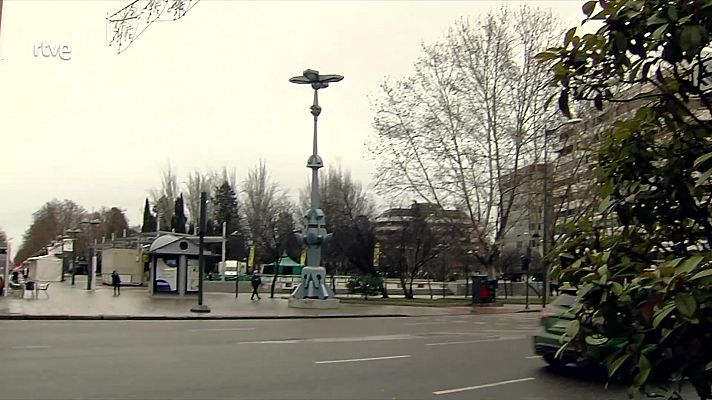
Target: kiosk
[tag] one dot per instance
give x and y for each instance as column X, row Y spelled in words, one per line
column 174, row 268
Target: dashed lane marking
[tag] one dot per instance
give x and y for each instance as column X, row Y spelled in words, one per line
column 498, row 339
column 361, row 359
column 488, row 385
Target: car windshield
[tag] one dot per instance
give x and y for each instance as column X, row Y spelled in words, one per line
column 564, row 300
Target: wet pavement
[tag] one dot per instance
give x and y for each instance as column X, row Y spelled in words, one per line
column 63, row 301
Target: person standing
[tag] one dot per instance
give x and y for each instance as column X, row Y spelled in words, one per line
column 116, row 283
column 256, row 282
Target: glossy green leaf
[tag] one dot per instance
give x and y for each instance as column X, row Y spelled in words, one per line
column 661, row 314
column 672, row 13
column 690, row 264
column 588, row 7
column 702, row 159
column 658, row 33
column 616, row 365
column 546, row 55
column 573, row 328
column 569, row 36
column 702, row 274
column 655, row 19
column 596, row 340
column 644, row 368
column 704, row 177
column 686, row 304
column 691, row 37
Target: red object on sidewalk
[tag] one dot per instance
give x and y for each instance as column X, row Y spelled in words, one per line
column 484, row 292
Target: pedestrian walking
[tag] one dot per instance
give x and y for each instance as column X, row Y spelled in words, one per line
column 256, row 282
column 116, row 283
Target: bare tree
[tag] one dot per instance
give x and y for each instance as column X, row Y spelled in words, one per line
column 471, row 114
column 164, row 197
column 349, row 212
column 199, row 182
column 269, row 217
column 408, row 249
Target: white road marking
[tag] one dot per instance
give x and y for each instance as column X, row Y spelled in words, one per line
column 291, row 341
column 336, row 339
column 434, row 323
column 28, row 347
column 498, row 339
column 532, row 357
column 488, row 385
column 221, row 329
column 361, row 359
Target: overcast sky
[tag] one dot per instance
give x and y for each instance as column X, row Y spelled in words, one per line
column 206, row 91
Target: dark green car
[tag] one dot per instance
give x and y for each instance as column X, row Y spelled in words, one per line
column 554, row 320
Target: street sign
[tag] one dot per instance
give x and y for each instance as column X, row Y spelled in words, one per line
column 68, row 245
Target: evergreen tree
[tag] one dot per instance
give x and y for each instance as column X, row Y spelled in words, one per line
column 149, row 220
column 226, row 210
column 179, row 219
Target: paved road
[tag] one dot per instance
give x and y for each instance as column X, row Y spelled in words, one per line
column 441, row 357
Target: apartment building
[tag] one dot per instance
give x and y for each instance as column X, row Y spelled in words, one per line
column 525, row 222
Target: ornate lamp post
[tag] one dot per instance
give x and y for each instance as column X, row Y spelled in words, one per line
column 314, row 234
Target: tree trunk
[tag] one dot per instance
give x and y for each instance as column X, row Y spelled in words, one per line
column 274, row 279
column 430, row 288
column 410, row 288
column 404, row 286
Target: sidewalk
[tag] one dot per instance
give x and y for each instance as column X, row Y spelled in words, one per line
column 75, row 302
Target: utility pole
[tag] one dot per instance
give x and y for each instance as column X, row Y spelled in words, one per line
column 201, row 308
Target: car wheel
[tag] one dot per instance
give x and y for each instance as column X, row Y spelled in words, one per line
column 553, row 361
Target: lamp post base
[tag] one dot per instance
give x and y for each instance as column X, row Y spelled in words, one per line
column 202, row 308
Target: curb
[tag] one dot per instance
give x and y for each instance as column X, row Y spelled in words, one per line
column 185, row 317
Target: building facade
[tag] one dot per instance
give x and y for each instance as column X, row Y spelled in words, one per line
column 423, row 230
column 524, row 188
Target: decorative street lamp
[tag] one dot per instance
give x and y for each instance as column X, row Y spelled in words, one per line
column 547, row 233
column 314, row 234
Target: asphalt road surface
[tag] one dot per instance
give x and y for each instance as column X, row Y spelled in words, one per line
column 457, row 357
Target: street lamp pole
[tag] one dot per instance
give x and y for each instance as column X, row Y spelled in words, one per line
column 201, row 308
column 91, row 268
column 545, row 203
column 314, row 234
column 7, row 250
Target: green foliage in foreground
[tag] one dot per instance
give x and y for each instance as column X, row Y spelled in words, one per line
column 642, row 261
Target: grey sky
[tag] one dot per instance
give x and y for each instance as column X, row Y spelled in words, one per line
column 206, row 91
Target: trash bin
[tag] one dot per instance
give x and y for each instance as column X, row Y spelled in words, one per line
column 479, row 284
column 493, row 290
